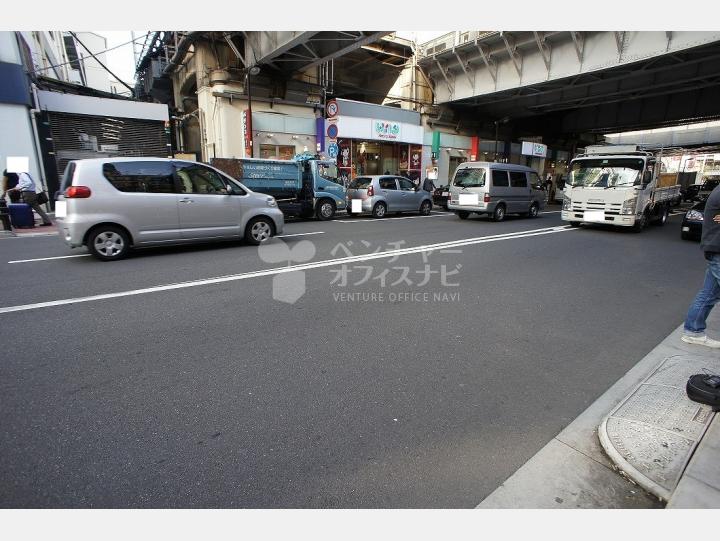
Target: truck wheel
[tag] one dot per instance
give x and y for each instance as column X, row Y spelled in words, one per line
column 108, row 243
column 574, row 224
column 641, row 223
column 325, row 209
column 663, row 216
column 259, row 230
column 379, row 210
column 499, row 213
column 463, row 214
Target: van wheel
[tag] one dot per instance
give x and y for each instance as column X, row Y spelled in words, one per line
column 534, row 211
column 379, row 210
column 499, row 213
column 425, row 208
column 463, row 214
column 325, row 210
column 108, row 243
column 259, row 230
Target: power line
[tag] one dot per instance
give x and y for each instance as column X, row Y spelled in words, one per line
column 101, row 52
column 103, row 65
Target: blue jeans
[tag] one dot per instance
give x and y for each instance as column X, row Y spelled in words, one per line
column 708, row 296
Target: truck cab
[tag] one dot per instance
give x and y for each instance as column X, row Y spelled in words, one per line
column 615, row 186
column 323, row 192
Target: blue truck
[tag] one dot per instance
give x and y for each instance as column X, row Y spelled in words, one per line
column 305, row 186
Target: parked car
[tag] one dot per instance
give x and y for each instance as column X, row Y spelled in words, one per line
column 689, row 193
column 112, row 205
column 707, row 187
column 380, row 194
column 496, row 189
column 441, row 196
column 691, row 228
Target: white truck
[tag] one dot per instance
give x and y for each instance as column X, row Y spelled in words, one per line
column 617, row 185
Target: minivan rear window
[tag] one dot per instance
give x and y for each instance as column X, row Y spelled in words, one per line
column 144, row 177
column 360, row 183
column 469, row 177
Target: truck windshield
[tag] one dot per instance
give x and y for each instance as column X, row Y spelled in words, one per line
column 469, row 177
column 328, row 171
column 606, row 172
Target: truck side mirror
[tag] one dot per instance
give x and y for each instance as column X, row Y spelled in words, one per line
column 647, row 177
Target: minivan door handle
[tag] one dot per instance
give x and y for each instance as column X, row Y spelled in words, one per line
column 186, row 200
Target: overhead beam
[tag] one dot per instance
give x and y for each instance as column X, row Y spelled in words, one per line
column 579, row 40
column 511, row 48
column 359, row 43
column 447, row 81
column 488, row 60
column 470, row 79
column 544, row 49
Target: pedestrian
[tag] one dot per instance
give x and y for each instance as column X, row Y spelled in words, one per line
column 26, row 188
column 428, row 185
column 709, row 295
column 9, row 180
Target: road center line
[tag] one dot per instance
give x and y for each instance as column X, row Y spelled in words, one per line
column 290, row 268
column 48, row 258
column 300, row 234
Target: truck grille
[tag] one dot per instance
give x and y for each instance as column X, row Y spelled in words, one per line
column 609, row 208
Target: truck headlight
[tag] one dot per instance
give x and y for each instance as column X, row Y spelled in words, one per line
column 567, row 203
column 271, row 202
column 629, row 206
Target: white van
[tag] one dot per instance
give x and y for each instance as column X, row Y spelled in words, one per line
column 496, row 189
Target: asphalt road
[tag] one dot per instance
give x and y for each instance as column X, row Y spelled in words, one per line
column 189, row 385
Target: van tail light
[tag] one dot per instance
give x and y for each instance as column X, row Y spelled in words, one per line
column 77, row 192
column 486, row 198
column 370, row 191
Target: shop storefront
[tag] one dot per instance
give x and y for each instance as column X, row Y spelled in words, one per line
column 375, row 140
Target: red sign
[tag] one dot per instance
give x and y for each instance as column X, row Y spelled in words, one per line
column 331, row 109
column 247, row 132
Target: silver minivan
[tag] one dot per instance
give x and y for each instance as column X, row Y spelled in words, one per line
column 380, row 194
column 495, row 189
column 112, row 205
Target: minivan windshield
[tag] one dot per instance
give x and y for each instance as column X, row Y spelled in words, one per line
column 360, row 183
column 606, row 172
column 469, row 177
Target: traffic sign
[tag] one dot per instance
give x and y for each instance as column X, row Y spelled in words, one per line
column 333, row 150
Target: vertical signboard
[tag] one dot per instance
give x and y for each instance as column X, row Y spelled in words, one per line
column 247, row 133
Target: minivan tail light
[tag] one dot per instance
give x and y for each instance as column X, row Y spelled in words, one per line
column 77, row 192
column 370, row 191
column 486, row 198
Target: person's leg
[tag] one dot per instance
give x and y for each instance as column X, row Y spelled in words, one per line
column 31, row 199
column 704, row 301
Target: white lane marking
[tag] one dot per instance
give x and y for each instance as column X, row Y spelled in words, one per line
column 48, row 258
column 30, row 235
column 300, row 234
column 292, row 268
column 371, row 220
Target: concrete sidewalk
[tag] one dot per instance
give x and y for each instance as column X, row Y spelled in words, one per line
column 653, row 429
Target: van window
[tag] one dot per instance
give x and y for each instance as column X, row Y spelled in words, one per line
column 518, row 179
column 196, row 178
column 360, row 183
column 535, row 182
column 145, row 177
column 469, row 177
column 67, row 176
column 500, row 178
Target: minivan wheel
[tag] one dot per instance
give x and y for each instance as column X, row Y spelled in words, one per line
column 108, row 243
column 259, row 230
column 325, row 210
column 463, row 214
column 379, row 210
column 499, row 213
column 425, row 208
column 534, row 210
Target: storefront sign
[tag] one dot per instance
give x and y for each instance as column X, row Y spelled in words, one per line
column 534, row 149
column 382, row 129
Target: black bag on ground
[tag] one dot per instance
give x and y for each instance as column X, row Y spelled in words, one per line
column 704, row 388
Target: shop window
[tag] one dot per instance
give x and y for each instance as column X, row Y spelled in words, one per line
column 277, row 152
